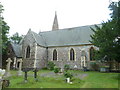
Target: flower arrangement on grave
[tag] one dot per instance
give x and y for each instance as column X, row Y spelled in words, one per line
column 2, row 72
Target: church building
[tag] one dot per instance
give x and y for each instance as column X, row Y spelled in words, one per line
column 62, row 46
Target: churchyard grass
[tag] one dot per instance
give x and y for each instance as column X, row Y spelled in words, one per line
column 91, row 80
column 101, row 80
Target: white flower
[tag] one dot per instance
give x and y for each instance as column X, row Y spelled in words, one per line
column 2, row 72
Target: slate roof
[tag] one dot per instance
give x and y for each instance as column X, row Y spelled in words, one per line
column 64, row 37
column 39, row 39
column 69, row 36
column 17, row 49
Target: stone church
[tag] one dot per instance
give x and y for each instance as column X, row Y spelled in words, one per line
column 62, row 46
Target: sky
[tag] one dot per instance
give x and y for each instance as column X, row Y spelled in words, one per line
column 21, row 15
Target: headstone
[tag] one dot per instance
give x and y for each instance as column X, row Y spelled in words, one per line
column 20, row 67
column 61, row 70
column 75, row 67
column 68, row 80
column 7, row 73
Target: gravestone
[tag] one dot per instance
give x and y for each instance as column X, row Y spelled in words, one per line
column 68, row 80
column 75, row 67
column 20, row 67
column 61, row 70
column 7, row 73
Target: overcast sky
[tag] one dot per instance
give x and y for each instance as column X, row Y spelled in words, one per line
column 39, row 14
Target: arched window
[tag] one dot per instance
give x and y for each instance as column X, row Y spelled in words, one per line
column 28, row 52
column 55, row 55
column 72, row 54
column 92, row 53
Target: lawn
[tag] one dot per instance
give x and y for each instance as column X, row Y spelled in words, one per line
column 91, row 80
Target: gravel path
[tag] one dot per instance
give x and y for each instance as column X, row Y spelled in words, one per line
column 52, row 74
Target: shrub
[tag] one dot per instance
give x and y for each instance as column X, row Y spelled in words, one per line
column 68, row 75
column 51, row 65
column 45, row 68
column 56, row 69
column 94, row 66
column 66, row 67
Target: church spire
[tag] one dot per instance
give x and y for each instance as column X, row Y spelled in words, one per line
column 55, row 23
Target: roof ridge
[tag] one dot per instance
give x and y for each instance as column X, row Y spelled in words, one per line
column 69, row 28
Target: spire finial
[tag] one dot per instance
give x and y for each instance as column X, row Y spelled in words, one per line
column 55, row 23
column 29, row 29
column 55, row 12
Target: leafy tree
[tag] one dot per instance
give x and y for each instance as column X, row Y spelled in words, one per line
column 107, row 37
column 4, row 30
column 115, row 7
column 16, row 38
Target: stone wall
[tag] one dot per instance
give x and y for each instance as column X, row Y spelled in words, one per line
column 64, row 55
column 28, row 41
column 41, row 57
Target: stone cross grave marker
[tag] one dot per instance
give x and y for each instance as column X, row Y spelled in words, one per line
column 20, row 67
column 35, row 74
column 25, row 70
column 25, row 77
column 7, row 73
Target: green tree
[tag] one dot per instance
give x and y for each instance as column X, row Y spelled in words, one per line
column 115, row 15
column 16, row 38
column 107, row 37
column 4, row 30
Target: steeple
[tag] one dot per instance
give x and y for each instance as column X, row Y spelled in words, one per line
column 55, row 23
